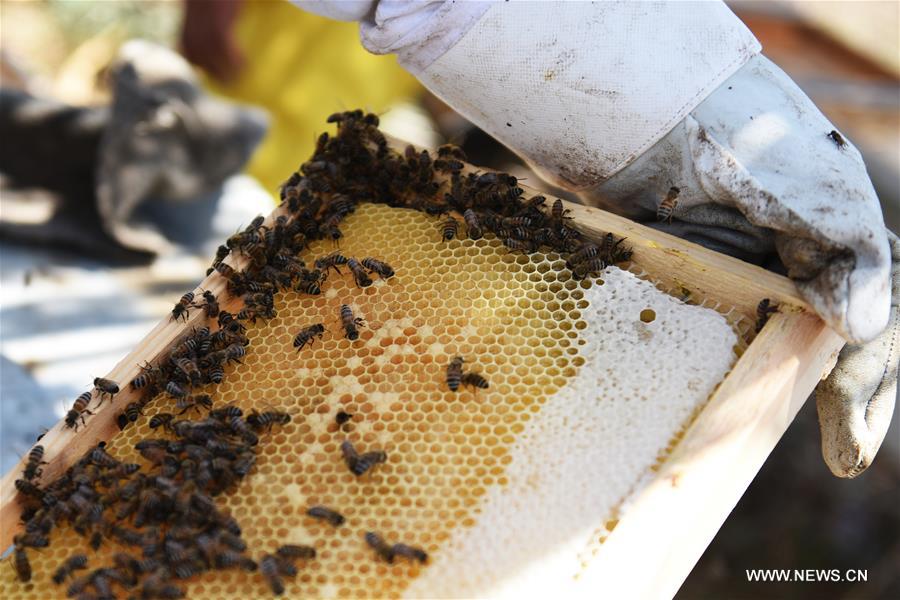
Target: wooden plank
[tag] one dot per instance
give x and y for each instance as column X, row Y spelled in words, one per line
column 697, row 487
column 682, row 265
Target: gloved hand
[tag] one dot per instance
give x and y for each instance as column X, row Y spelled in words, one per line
column 622, row 101
column 855, row 403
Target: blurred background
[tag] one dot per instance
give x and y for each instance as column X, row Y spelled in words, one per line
column 67, row 78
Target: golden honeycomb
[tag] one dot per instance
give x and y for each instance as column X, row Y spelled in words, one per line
column 515, row 318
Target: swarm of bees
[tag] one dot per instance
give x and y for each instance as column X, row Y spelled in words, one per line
column 164, row 513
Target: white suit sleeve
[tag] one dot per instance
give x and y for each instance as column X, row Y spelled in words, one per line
column 606, row 80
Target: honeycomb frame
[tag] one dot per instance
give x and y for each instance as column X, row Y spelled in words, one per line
column 557, row 310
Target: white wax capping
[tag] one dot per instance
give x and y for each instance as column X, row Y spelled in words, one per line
column 590, row 446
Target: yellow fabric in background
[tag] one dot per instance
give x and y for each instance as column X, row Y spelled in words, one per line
column 301, row 68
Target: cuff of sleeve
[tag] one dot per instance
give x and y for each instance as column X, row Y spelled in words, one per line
column 419, row 32
column 345, row 10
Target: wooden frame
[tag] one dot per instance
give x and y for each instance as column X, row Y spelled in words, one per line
column 652, row 549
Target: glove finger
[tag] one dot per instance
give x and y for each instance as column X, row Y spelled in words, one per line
column 856, row 401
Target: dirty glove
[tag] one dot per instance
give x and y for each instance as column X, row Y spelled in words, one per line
column 855, row 403
column 621, row 102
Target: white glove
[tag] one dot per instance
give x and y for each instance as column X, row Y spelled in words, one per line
column 621, row 101
column 855, row 403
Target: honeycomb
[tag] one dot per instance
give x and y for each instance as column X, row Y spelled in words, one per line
column 589, row 386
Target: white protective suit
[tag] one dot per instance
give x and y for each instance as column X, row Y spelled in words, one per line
column 619, row 101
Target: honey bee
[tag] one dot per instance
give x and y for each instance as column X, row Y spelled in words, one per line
column 763, row 310
column 587, row 251
column 448, row 165
column 331, row 261
column 266, row 420
column 69, row 566
column 524, row 246
column 666, row 210
column 226, row 413
column 194, row 402
column 342, row 417
column 228, row 322
column 493, row 178
column 182, row 309
column 31, row 540
column 616, row 252
column 837, row 138
column 100, row 457
column 149, row 375
column 410, row 552
column 80, row 585
column 607, row 245
column 244, row 240
column 350, row 323
column 382, row 548
column 189, row 368
column 359, row 273
column 307, row 335
column 342, row 116
column 270, row 570
column 451, row 151
column 454, row 373
column 557, row 212
column 216, row 373
column 156, row 587
column 474, row 380
column 330, row 227
column 33, row 466
column 79, row 409
column 256, row 223
column 210, row 305
column 235, row 352
column 473, row 225
column 449, row 229
column 107, row 387
column 221, row 253
column 326, row 514
column 26, row 488
column 175, row 390
column 308, row 283
column 360, row 463
column 127, row 563
column 241, row 428
column 384, row 270
column 593, row 265
column 294, row 551
column 23, row 567
column 513, row 222
column 133, row 410
column 225, row 270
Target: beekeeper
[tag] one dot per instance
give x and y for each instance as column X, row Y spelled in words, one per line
column 620, row 101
